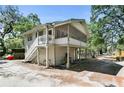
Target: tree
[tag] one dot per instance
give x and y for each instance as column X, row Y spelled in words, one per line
column 96, row 42
column 34, row 19
column 12, row 43
column 109, row 20
column 2, row 48
column 9, row 15
column 120, row 43
column 23, row 25
column 13, row 24
column 27, row 23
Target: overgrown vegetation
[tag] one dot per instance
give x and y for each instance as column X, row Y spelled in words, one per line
column 107, row 29
column 13, row 24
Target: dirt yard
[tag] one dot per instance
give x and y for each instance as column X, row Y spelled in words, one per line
column 84, row 74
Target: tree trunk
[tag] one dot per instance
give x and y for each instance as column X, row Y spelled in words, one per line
column 93, row 54
column 101, row 52
column 120, row 55
column 2, row 48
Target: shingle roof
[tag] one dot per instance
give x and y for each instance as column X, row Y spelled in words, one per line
column 56, row 23
column 72, row 19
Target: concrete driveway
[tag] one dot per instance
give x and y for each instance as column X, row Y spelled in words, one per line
column 18, row 74
column 15, row 75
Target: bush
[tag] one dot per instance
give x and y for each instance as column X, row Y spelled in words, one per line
column 12, row 43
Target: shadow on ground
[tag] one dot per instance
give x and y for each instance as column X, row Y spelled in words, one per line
column 96, row 66
column 2, row 62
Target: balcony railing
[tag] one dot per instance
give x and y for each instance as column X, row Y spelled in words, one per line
column 42, row 39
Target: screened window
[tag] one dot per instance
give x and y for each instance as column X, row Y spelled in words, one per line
column 40, row 33
column 29, row 37
column 50, row 32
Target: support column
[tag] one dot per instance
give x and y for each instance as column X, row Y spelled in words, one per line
column 79, row 53
column 54, row 59
column 74, row 54
column 68, row 56
column 38, row 60
column 53, row 39
column 47, row 52
column 85, row 52
column 68, row 59
column 37, row 37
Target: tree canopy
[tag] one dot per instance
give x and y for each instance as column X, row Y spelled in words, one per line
column 14, row 24
column 107, row 21
column 13, row 43
column 9, row 16
column 27, row 23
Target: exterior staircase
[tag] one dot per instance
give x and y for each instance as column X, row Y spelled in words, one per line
column 31, row 52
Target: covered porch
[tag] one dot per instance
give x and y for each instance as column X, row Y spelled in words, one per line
column 58, row 55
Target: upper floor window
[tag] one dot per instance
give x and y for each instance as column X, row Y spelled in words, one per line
column 35, row 34
column 40, row 33
column 50, row 32
column 60, row 34
column 30, row 38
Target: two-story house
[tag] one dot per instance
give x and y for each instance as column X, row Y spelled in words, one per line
column 55, row 43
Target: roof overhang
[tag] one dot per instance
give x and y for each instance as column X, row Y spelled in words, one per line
column 78, row 24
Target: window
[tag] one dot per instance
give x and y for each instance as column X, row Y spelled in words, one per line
column 36, row 35
column 29, row 37
column 57, row 33
column 40, row 33
column 60, row 34
column 50, row 32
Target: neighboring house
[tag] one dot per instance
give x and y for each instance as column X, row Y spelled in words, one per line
column 55, row 43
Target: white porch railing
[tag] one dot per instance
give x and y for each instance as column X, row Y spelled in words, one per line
column 39, row 41
column 42, row 39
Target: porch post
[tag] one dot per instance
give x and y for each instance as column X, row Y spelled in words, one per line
column 85, row 52
column 37, row 37
column 68, row 56
column 38, row 60
column 53, row 39
column 79, row 53
column 74, row 54
column 47, row 52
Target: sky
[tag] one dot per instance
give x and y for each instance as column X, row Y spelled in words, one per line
column 57, row 12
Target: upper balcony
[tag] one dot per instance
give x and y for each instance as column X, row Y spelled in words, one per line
column 63, row 41
column 68, row 33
